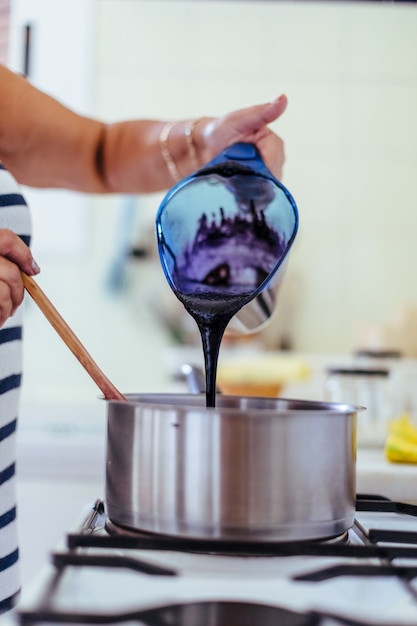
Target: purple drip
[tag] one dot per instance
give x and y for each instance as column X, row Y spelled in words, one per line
column 220, row 272
column 212, row 314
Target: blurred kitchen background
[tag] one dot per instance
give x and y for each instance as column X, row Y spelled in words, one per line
column 349, row 70
column 350, row 131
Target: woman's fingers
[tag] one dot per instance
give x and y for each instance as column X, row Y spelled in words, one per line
column 247, row 125
column 14, row 257
column 252, row 120
column 11, row 288
column 13, row 248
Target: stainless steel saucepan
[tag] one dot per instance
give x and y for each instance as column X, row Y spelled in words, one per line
column 251, row 468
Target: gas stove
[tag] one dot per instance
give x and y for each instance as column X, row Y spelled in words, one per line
column 105, row 574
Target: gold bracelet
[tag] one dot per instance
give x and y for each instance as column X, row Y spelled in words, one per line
column 189, row 129
column 169, row 161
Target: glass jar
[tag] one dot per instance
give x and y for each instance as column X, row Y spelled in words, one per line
column 365, row 387
column 392, row 360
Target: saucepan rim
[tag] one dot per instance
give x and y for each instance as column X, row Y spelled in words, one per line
column 230, row 404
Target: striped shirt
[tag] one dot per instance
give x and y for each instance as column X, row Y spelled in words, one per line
column 14, row 214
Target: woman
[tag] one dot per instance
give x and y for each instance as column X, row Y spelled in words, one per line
column 44, row 144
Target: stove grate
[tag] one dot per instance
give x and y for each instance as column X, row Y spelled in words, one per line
column 64, row 559
column 94, row 534
column 349, row 569
column 91, row 533
column 380, row 504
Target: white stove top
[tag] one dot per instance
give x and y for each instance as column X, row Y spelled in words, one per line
column 81, row 590
column 110, row 592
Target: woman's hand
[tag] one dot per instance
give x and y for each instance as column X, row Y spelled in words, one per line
column 249, row 125
column 14, row 256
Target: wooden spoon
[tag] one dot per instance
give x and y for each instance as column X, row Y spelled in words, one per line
column 71, row 340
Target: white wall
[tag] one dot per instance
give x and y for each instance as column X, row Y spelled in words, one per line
column 62, row 69
column 75, row 237
column 350, row 74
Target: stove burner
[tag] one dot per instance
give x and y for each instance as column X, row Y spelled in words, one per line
column 216, row 546
column 214, row 613
column 225, row 614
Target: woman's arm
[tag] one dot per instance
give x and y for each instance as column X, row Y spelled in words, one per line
column 45, row 144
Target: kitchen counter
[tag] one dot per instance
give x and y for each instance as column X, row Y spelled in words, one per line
column 376, row 475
